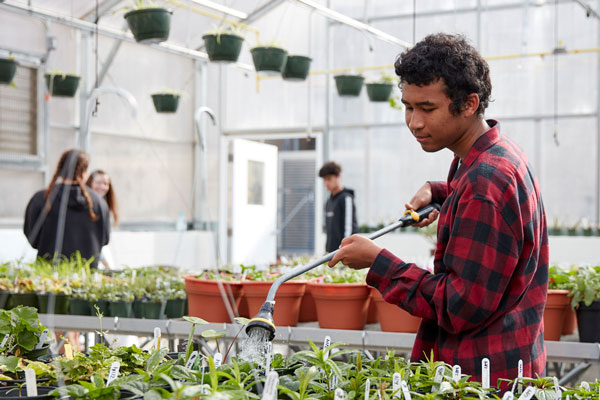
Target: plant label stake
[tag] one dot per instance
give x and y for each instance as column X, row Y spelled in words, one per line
column 268, row 356
column 270, row 392
column 190, row 363
column 396, row 378
column 557, row 391
column 405, row 390
column 585, row 386
column 68, row 351
column 30, row 382
column 528, row 393
column 485, row 373
column 42, row 341
column 203, row 367
column 218, row 359
column 508, row 396
column 6, row 337
column 326, row 345
column 339, row 394
column 114, row 372
column 133, row 273
column 520, row 376
column 157, row 336
column 438, row 378
column 367, row 388
column 456, row 372
column 205, row 390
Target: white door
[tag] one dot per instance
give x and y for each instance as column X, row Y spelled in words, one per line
column 254, row 203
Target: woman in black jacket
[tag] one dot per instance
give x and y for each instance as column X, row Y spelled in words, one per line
column 67, row 217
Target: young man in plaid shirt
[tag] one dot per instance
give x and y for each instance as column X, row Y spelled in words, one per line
column 486, row 296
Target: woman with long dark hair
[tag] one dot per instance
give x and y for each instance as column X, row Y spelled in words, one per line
column 66, row 217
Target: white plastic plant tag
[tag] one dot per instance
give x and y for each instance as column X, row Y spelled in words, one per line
column 190, row 362
column 333, row 381
column 456, row 372
column 585, row 386
column 326, row 345
column 157, row 336
column 396, row 379
column 367, row 388
column 205, row 389
column 218, row 359
column 97, row 277
column 528, row 393
column 557, row 391
column 439, row 374
column 6, row 337
column 133, row 275
column 30, row 382
column 202, row 368
column 43, row 338
column 520, row 387
column 405, row 390
column 485, row 373
column 270, row 392
column 445, row 387
column 508, row 396
column 339, row 394
column 113, row 373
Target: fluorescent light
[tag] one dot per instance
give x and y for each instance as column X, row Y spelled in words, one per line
column 344, row 19
column 221, row 8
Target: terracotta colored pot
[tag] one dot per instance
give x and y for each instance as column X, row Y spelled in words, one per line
column 341, row 305
column 287, row 300
column 393, row 318
column 308, row 309
column 554, row 313
column 243, row 307
column 372, row 317
column 570, row 321
column 205, row 300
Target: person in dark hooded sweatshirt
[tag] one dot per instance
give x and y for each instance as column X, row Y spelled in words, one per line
column 340, row 211
column 68, row 217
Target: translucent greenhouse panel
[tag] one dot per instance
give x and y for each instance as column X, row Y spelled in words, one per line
column 527, row 136
column 386, row 7
column 13, row 202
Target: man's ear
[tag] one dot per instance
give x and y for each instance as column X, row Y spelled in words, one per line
column 471, row 105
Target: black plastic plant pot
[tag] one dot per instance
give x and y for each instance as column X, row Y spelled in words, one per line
column 23, row 299
column 102, row 306
column 7, row 70
column 153, row 310
column 60, row 306
column 79, row 307
column 175, row 308
column 121, row 309
column 36, row 353
column 379, row 92
column 588, row 322
column 15, row 392
column 149, row 25
column 225, row 47
column 296, row 68
column 269, row 59
column 137, row 309
column 62, row 85
column 4, row 299
column 349, row 85
column 165, row 102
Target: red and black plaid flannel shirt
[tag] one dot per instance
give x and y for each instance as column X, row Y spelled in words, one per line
column 487, row 294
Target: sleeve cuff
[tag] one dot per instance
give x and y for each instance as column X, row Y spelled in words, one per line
column 439, row 191
column 379, row 270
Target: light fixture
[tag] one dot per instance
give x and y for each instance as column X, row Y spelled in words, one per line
column 344, row 19
column 221, row 8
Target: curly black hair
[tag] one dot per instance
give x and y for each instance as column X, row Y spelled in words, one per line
column 330, row 168
column 452, row 59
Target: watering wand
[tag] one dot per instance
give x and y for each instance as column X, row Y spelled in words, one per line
column 264, row 318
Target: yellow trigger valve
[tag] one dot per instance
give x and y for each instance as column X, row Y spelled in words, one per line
column 413, row 214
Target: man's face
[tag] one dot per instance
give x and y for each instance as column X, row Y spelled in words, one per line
column 332, row 182
column 429, row 118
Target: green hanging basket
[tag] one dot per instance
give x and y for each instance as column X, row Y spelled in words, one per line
column 62, row 85
column 270, row 60
column 379, row 92
column 296, row 68
column 165, row 102
column 149, row 25
column 349, row 85
column 225, row 47
column 7, row 70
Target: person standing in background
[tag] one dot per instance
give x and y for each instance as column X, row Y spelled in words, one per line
column 101, row 183
column 340, row 211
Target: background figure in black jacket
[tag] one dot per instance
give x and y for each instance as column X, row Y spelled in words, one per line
column 68, row 217
column 340, row 212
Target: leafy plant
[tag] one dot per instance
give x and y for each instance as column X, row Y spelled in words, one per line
column 22, row 326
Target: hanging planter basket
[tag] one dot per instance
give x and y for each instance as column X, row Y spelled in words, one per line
column 296, row 68
column 149, row 25
column 269, row 59
column 7, row 70
column 379, row 92
column 349, row 85
column 62, row 85
column 165, row 102
column 225, row 47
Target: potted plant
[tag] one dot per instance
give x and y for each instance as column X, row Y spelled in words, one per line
column 120, row 300
column 585, row 294
column 381, row 89
column 166, row 101
column 176, row 299
column 53, row 298
column 148, row 22
column 24, row 331
column 8, row 67
column 393, row 318
column 269, row 59
column 296, row 68
column 62, row 84
column 23, row 293
column 223, row 45
column 349, row 85
column 206, row 293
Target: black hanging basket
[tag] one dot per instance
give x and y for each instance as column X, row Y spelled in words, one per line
column 296, row 68
column 349, row 85
column 7, row 70
column 165, row 102
column 62, row 85
column 149, row 25
column 588, row 322
column 225, row 47
column 379, row 92
column 269, row 59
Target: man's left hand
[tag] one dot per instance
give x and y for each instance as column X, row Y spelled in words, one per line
column 357, row 252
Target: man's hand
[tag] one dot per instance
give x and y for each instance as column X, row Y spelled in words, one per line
column 422, row 198
column 357, row 252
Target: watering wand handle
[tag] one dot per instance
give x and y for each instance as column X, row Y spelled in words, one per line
column 410, row 217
